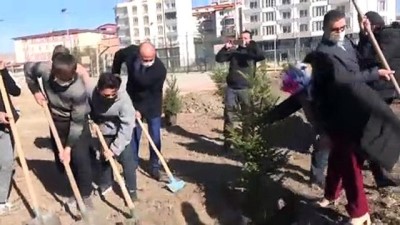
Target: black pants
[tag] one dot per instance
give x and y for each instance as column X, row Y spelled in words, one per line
column 80, row 156
column 128, row 165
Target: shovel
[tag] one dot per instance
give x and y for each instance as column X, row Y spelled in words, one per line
column 174, row 185
column 132, row 220
column 85, row 214
column 40, row 219
column 377, row 49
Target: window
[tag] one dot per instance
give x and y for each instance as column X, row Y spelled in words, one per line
column 253, row 5
column 285, row 2
column 146, row 31
column 317, row 25
column 134, row 10
column 382, row 5
column 268, row 30
column 136, row 32
column 269, row 16
column 170, row 15
column 159, row 6
column 159, row 18
column 146, row 20
column 254, row 32
column 135, row 21
column 145, row 9
column 286, row 15
column 269, row 3
column 303, row 27
column 303, row 13
column 160, row 30
column 286, row 29
column 319, row 10
column 254, row 18
column 303, row 1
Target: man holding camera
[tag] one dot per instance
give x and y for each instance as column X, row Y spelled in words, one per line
column 242, row 62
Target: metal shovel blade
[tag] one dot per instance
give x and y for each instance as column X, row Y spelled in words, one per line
column 175, row 185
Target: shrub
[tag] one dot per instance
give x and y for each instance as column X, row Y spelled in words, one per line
column 172, row 103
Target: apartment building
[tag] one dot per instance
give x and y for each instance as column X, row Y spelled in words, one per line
column 282, row 24
column 39, row 47
column 163, row 22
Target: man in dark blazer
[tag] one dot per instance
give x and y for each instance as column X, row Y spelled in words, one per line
column 146, row 76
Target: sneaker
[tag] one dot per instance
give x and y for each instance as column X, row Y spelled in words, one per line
column 104, row 189
column 7, row 208
column 133, row 195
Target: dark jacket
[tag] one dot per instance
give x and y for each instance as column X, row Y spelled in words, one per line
column 12, row 89
column 123, row 56
column 145, row 87
column 368, row 59
column 354, row 109
column 241, row 60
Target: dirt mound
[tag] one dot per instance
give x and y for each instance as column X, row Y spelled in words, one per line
column 203, row 102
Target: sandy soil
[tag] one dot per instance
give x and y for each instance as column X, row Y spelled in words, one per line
column 193, row 150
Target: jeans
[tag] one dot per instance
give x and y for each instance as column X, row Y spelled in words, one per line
column 319, row 160
column 234, row 100
column 154, row 127
column 80, row 156
column 6, row 165
column 128, row 165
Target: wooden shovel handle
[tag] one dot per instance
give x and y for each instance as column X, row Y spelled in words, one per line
column 113, row 164
column 18, row 145
column 67, row 167
column 160, row 156
column 377, row 49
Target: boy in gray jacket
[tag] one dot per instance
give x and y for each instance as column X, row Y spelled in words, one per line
column 112, row 110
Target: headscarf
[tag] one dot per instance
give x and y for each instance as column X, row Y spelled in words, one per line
column 296, row 78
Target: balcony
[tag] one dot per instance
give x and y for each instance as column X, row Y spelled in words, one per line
column 286, row 35
column 251, row 10
column 228, row 31
column 304, row 4
column 285, row 21
column 284, row 6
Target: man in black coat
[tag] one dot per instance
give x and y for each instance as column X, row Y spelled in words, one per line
column 146, row 76
column 242, row 61
column 123, row 56
column 352, row 114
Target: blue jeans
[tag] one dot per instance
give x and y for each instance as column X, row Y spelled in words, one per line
column 154, row 126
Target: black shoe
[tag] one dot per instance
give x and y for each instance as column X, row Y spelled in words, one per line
column 133, row 195
column 155, row 174
column 104, row 189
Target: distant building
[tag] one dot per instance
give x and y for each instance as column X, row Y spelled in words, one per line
column 39, row 47
column 163, row 22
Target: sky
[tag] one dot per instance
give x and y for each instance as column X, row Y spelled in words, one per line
column 25, row 17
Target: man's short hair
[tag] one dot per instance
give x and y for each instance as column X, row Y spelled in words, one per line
column 248, row 32
column 60, row 49
column 109, row 80
column 64, row 64
column 332, row 16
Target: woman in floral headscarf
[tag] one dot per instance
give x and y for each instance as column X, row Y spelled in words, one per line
column 296, row 80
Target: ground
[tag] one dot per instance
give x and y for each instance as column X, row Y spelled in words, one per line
column 193, row 151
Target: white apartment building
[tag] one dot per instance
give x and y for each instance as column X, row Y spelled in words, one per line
column 166, row 24
column 287, row 23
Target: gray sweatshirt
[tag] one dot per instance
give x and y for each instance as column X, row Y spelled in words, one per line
column 70, row 104
column 116, row 118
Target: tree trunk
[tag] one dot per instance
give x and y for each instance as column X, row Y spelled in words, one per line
column 171, row 119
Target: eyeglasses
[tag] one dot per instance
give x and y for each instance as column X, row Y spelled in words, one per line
column 339, row 29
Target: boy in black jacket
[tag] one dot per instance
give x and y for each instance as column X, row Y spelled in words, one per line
column 7, row 151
